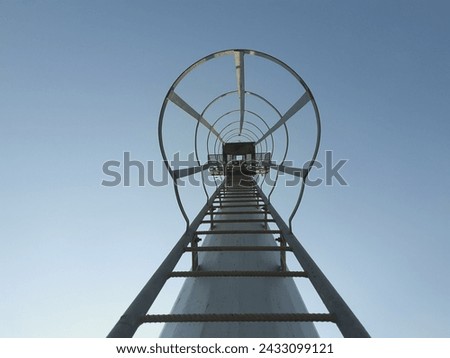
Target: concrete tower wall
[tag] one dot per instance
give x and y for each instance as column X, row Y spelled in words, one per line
column 239, row 294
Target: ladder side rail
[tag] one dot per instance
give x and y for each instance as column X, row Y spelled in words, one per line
column 132, row 318
column 345, row 319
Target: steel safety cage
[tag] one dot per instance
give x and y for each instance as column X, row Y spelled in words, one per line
column 240, row 125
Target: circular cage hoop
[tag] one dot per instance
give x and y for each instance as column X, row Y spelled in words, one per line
column 238, row 55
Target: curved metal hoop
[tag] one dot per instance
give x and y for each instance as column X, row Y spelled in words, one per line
column 241, row 92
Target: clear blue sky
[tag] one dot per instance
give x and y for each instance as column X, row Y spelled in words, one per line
column 83, row 81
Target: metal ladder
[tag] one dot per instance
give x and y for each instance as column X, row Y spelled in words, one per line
column 248, row 200
column 242, row 200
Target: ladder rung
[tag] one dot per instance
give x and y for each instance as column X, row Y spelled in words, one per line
column 254, row 201
column 238, row 192
column 221, row 232
column 238, row 274
column 237, row 212
column 246, row 188
column 233, row 202
column 235, row 206
column 240, row 317
column 238, row 196
column 238, row 248
column 247, row 193
column 219, row 221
